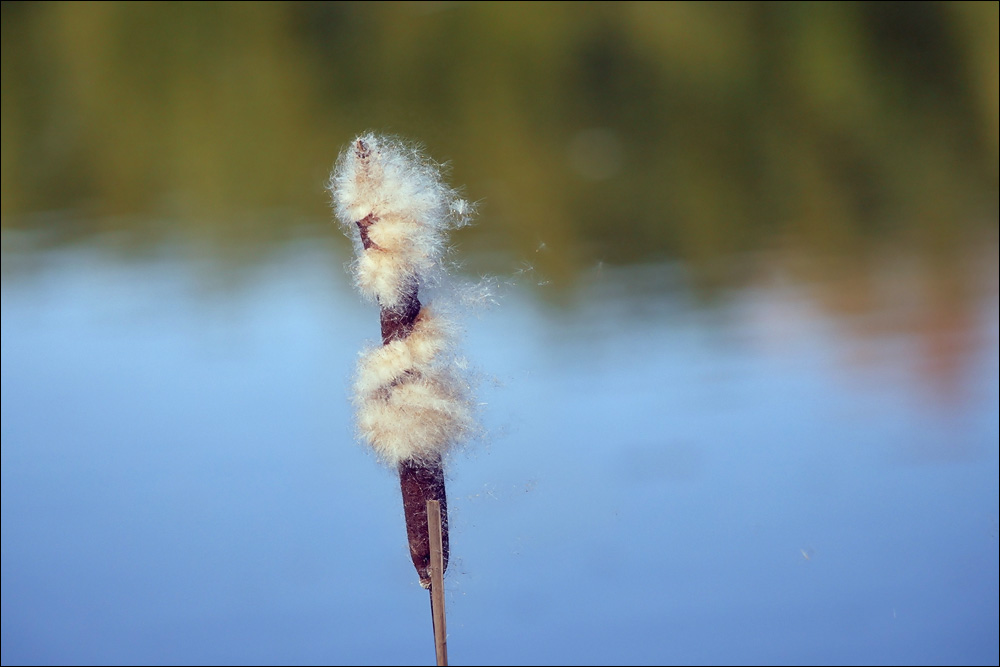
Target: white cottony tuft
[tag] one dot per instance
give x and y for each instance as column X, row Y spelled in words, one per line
column 412, row 404
column 401, row 191
column 412, row 401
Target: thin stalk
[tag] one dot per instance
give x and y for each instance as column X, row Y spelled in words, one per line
column 437, row 582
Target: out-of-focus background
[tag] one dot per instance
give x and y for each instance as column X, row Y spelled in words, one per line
column 738, row 361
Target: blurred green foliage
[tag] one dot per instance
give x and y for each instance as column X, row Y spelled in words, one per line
column 600, row 132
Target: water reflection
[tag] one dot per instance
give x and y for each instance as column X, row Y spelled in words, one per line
column 180, row 481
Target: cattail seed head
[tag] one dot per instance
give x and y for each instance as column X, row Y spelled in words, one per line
column 412, row 402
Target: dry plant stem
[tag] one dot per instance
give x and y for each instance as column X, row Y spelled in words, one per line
column 422, row 480
column 437, row 582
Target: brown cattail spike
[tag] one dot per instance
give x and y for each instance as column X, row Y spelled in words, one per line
column 421, row 481
column 413, row 404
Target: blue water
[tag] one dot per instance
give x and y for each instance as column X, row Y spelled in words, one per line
column 658, row 481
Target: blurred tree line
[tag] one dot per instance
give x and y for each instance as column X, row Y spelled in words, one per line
column 603, row 132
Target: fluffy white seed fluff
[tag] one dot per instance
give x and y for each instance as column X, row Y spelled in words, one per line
column 412, row 401
column 417, row 353
column 411, row 209
column 418, row 417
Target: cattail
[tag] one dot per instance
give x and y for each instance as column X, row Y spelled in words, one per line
column 412, row 404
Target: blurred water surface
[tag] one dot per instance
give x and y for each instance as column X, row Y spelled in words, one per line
column 739, row 367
